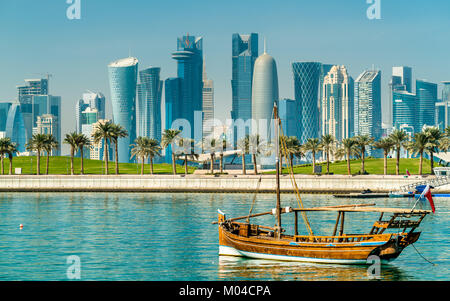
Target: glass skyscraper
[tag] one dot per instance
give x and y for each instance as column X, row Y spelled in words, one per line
column 401, row 80
column 368, row 104
column 244, row 54
column 25, row 96
column 405, row 111
column 15, row 127
column 288, row 117
column 123, row 80
column 89, row 100
column 208, row 105
column 149, row 104
column 307, row 82
column 427, row 97
column 189, row 56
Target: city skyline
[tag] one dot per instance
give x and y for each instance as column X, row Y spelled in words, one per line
column 91, row 43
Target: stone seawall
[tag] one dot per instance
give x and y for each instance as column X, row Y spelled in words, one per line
column 206, row 184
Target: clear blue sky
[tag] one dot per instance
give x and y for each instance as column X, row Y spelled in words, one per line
column 36, row 37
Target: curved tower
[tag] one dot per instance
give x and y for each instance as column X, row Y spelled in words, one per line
column 15, row 127
column 265, row 94
column 123, row 79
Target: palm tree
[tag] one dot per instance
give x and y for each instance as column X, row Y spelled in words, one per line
column 11, row 150
column 312, row 146
column 139, row 151
column 50, row 144
column 244, row 145
column 362, row 142
column 349, row 148
column 418, row 146
column 398, row 137
column 83, row 141
column 386, row 144
column 187, row 145
column 434, row 137
column 4, row 142
column 37, row 144
column 212, row 145
column 169, row 138
column 103, row 131
column 117, row 132
column 447, row 132
column 257, row 146
column 153, row 149
column 72, row 140
column 328, row 145
column 293, row 148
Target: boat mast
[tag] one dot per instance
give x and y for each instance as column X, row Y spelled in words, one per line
column 277, row 164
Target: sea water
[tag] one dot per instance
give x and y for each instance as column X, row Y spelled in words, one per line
column 170, row 237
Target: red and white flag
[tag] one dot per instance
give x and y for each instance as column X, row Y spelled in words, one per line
column 427, row 194
column 407, row 172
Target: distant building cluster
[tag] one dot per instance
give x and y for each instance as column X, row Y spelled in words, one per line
column 327, row 101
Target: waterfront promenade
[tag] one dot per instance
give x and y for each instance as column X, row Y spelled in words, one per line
column 332, row 184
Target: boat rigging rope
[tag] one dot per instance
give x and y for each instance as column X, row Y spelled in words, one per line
column 292, row 177
column 422, row 255
column 254, row 200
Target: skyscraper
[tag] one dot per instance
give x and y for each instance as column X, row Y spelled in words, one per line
column 368, row 104
column 189, row 56
column 208, row 105
column 149, row 104
column 48, row 124
column 15, row 127
column 405, row 111
column 43, row 107
column 306, row 82
column 91, row 100
column 123, row 80
column 25, row 95
column 265, row 94
column 427, row 97
column 244, row 54
column 288, row 117
column 337, row 104
column 401, row 80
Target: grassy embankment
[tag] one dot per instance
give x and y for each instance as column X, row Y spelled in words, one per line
column 61, row 166
column 372, row 166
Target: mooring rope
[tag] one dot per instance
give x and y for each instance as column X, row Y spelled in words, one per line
column 423, row 256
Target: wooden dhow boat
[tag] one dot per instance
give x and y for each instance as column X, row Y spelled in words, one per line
column 239, row 237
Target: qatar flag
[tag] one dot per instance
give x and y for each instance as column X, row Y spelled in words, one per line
column 427, row 194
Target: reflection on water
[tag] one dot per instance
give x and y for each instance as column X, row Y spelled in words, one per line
column 236, row 269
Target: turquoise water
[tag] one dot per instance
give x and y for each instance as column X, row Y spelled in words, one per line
column 170, row 237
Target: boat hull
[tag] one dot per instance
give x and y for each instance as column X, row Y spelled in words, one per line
column 385, row 248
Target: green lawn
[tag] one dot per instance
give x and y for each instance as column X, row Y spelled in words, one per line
column 372, row 166
column 61, row 166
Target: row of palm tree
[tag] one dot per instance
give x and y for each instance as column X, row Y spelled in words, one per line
column 10, row 148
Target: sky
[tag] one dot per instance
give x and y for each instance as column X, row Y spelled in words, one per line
column 37, row 38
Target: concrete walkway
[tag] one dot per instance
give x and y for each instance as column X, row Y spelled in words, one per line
column 202, row 183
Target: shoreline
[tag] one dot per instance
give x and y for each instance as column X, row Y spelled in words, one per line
column 325, row 184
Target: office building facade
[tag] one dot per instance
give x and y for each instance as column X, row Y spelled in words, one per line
column 245, row 51
column 92, row 100
column 149, row 104
column 368, row 104
column 306, row 83
column 123, row 82
column 427, row 98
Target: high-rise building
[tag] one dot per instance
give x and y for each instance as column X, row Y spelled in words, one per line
column 91, row 100
column 405, row 111
column 265, row 95
column 288, row 117
column 208, row 106
column 401, row 80
column 45, row 104
column 172, row 107
column 427, row 97
column 149, row 104
column 13, row 125
column 446, row 91
column 48, row 124
column 189, row 56
column 368, row 104
column 25, row 96
column 244, row 54
column 442, row 117
column 97, row 150
column 123, row 80
column 307, row 82
column 337, row 104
